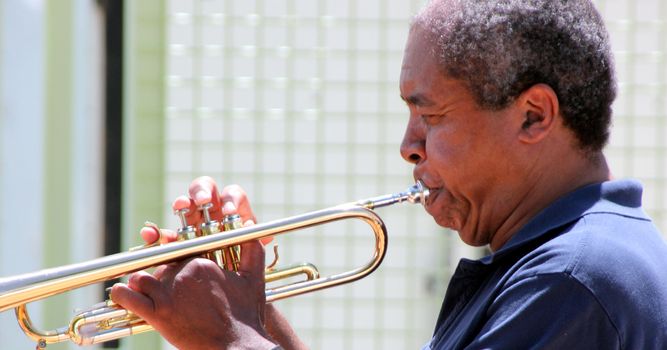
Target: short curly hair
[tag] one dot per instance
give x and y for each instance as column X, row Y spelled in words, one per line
column 500, row 48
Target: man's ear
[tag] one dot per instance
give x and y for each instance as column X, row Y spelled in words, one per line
column 539, row 112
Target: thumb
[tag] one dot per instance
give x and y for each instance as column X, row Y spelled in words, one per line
column 142, row 294
column 252, row 260
column 132, row 300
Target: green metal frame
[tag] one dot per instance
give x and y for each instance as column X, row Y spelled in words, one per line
column 58, row 147
column 143, row 128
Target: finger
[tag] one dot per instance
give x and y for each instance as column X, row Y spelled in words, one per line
column 149, row 235
column 193, row 215
column 252, row 260
column 133, row 300
column 253, row 269
column 168, row 235
column 235, row 201
column 181, row 202
column 159, row 272
column 143, row 282
column 147, row 284
column 204, row 190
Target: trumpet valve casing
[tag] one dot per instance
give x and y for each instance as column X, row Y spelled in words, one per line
column 233, row 222
column 211, row 227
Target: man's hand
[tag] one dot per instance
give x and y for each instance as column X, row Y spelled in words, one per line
column 196, row 305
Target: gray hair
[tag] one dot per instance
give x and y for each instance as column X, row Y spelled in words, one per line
column 500, row 48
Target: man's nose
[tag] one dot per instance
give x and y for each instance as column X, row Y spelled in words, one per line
column 413, row 145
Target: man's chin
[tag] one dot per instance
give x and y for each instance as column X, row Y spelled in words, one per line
column 447, row 223
column 471, row 240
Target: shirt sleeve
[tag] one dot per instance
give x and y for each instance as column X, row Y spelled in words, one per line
column 551, row 311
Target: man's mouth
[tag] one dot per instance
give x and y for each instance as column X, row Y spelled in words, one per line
column 433, row 192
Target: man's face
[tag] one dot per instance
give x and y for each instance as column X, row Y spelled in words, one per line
column 463, row 153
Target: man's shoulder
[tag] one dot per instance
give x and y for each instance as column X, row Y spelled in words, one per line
column 602, row 245
column 620, row 261
column 596, row 242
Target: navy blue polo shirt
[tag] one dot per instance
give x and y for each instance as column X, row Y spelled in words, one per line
column 588, row 272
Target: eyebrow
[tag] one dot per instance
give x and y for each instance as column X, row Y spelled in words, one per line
column 418, row 99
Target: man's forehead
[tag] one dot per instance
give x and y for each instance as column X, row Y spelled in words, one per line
column 419, row 54
column 418, row 71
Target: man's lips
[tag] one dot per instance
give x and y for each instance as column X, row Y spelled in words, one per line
column 432, row 195
column 434, row 190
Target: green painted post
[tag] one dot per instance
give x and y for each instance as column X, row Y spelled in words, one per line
column 143, row 128
column 58, row 150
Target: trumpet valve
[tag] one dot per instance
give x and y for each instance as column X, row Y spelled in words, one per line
column 186, row 231
column 208, row 227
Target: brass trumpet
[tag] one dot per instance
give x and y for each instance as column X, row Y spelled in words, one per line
column 108, row 321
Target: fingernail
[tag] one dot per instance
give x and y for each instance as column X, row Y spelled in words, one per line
column 202, row 197
column 229, row 208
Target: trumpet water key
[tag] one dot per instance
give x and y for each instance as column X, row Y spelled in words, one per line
column 108, row 321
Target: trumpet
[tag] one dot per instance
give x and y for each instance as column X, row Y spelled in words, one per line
column 107, row 321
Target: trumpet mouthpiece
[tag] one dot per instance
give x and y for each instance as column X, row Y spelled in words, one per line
column 418, row 193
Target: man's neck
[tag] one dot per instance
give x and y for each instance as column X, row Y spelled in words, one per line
column 551, row 183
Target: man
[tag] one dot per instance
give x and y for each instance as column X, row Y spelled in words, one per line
column 510, row 105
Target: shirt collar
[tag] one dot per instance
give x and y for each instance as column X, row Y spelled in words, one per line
column 617, row 196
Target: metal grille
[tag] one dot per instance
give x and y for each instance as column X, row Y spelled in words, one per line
column 638, row 146
column 297, row 101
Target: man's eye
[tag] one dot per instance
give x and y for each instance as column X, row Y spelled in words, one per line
column 431, row 118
